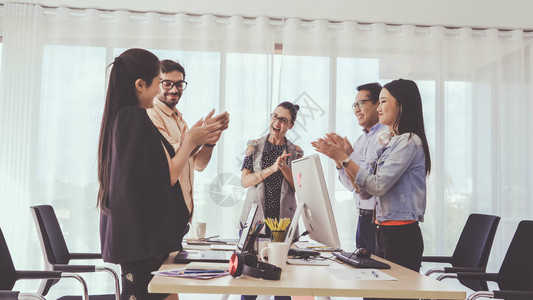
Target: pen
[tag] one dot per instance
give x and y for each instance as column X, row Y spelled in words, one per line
column 375, row 274
column 202, row 271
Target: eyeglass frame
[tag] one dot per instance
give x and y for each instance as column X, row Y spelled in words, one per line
column 360, row 106
column 282, row 120
column 174, row 84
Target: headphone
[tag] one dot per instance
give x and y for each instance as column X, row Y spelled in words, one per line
column 248, row 264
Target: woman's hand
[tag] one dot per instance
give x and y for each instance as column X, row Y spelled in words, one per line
column 333, row 146
column 201, row 133
column 281, row 161
column 339, row 140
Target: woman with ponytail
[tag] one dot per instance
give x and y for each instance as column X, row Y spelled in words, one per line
column 142, row 212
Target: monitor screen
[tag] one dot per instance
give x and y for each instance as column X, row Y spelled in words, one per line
column 317, row 213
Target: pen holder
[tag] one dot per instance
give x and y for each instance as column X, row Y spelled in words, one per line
column 278, row 235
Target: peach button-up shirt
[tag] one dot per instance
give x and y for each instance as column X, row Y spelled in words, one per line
column 170, row 123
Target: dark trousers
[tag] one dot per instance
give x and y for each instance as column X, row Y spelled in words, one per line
column 365, row 236
column 135, row 278
column 402, row 244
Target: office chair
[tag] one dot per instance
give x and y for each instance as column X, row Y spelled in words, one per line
column 472, row 251
column 57, row 255
column 515, row 277
column 9, row 275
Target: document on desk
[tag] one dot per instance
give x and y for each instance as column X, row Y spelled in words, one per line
column 359, row 274
column 192, row 274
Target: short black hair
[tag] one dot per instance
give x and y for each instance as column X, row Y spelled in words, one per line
column 168, row 65
column 373, row 89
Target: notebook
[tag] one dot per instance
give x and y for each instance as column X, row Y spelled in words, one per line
column 187, row 256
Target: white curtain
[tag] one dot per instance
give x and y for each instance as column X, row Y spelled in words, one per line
column 475, row 84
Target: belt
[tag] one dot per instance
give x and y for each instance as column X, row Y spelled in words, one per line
column 366, row 212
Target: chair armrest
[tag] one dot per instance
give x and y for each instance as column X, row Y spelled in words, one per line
column 53, row 275
column 463, row 269
column 435, row 270
column 478, row 276
column 513, row 295
column 9, row 295
column 437, row 259
column 38, row 275
column 85, row 255
column 74, row 268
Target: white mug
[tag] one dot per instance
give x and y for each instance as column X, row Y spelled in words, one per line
column 277, row 253
column 198, row 230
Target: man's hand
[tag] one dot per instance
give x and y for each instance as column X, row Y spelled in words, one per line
column 222, row 119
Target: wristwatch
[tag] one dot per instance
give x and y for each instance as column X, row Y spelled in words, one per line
column 345, row 162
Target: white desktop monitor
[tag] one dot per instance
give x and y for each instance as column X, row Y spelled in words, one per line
column 317, row 213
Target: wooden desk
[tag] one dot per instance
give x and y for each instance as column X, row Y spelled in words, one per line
column 298, row 280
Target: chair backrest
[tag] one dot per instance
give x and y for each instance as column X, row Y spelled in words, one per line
column 8, row 274
column 53, row 242
column 474, row 245
column 516, row 272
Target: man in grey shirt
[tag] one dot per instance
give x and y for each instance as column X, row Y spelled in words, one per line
column 363, row 153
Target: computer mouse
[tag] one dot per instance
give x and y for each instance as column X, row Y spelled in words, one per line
column 362, row 252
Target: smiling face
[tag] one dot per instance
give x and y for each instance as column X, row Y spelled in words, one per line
column 367, row 114
column 278, row 128
column 388, row 109
column 171, row 97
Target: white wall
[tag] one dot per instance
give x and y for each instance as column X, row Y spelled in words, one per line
column 512, row 14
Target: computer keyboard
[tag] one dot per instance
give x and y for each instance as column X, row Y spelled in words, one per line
column 214, row 254
column 360, row 262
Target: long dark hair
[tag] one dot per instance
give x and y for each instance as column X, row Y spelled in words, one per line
column 129, row 66
column 410, row 118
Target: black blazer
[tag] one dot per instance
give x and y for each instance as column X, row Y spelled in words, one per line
column 147, row 215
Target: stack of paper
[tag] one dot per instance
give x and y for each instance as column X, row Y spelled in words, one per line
column 190, row 273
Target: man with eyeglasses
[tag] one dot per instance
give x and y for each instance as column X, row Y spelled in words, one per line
column 169, row 120
column 363, row 152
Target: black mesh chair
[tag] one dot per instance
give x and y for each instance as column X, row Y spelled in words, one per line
column 9, row 275
column 515, row 278
column 57, row 255
column 472, row 251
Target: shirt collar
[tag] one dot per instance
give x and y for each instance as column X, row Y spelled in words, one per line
column 167, row 110
column 377, row 127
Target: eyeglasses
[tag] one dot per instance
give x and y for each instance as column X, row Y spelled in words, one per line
column 169, row 84
column 359, row 104
column 275, row 117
